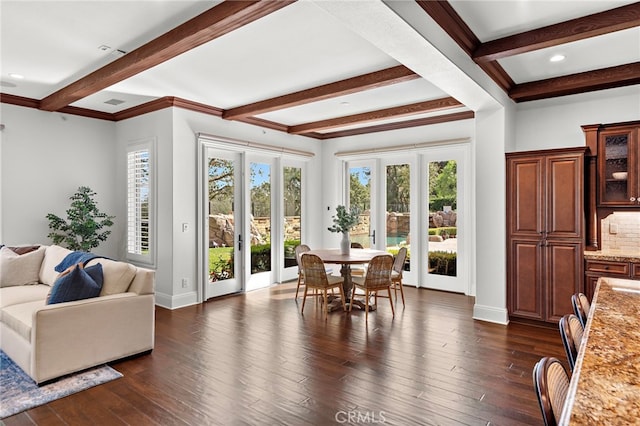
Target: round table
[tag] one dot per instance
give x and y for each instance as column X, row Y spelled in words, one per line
column 355, row 257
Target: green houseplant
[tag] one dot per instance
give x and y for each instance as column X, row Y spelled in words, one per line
column 343, row 221
column 83, row 229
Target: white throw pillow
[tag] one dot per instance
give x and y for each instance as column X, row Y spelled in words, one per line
column 53, row 256
column 20, row 269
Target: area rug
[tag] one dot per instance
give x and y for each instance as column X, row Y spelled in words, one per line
column 18, row 392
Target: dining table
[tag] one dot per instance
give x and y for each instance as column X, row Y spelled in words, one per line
column 356, row 256
column 605, row 383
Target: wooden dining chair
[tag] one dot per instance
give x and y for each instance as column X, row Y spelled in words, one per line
column 571, row 332
column 581, row 307
column 358, row 270
column 551, row 383
column 316, row 278
column 396, row 273
column 299, row 250
column 378, row 278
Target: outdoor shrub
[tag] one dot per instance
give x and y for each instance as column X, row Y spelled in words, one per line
column 442, row 263
column 437, row 204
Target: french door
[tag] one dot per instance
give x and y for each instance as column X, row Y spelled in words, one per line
column 446, row 182
column 421, row 202
column 252, row 219
column 223, row 228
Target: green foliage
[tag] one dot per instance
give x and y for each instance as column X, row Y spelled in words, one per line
column 260, row 258
column 220, row 263
column 443, row 179
column 82, row 231
column 446, row 231
column 359, row 194
column 344, row 220
column 442, row 263
column 436, row 204
column 398, row 188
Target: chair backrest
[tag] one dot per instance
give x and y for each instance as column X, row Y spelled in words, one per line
column 356, row 245
column 551, row 383
column 302, row 248
column 571, row 331
column 581, row 307
column 315, row 274
column 398, row 263
column 379, row 271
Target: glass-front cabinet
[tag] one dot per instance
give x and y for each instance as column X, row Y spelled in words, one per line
column 619, row 167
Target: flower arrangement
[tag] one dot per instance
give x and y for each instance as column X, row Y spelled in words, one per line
column 344, row 220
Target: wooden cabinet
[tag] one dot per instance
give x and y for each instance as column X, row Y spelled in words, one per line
column 545, row 232
column 596, row 268
column 619, row 167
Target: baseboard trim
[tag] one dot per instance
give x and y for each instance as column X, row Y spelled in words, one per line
column 490, row 314
column 174, row 302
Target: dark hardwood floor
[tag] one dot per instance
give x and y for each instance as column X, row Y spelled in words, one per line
column 254, row 360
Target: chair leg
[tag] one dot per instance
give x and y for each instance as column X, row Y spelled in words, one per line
column 393, row 312
column 298, row 286
column 366, row 306
column 304, row 299
column 325, row 307
column 344, row 306
column 401, row 291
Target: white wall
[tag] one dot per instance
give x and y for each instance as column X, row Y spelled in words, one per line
column 555, row 123
column 45, row 158
column 158, row 127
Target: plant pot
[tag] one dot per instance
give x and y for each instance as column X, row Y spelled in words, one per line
column 345, row 244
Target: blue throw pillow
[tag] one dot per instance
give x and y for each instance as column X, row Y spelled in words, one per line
column 80, row 283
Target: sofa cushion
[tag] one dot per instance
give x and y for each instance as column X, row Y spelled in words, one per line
column 17, row 269
column 24, row 249
column 80, row 283
column 52, row 257
column 117, row 276
column 20, row 317
column 21, row 294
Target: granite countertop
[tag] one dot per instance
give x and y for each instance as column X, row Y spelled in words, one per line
column 613, row 255
column 605, row 386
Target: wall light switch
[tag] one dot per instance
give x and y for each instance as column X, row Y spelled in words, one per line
column 185, row 227
column 613, row 228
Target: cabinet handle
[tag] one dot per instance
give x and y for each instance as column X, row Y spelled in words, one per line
column 632, row 199
column 606, row 267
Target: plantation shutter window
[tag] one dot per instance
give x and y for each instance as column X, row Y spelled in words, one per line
column 139, row 204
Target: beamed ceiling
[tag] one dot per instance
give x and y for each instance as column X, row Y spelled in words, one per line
column 350, row 89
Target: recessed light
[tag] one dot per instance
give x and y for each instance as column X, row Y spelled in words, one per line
column 557, row 58
column 16, row 76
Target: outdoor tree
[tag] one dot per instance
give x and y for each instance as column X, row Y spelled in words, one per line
column 398, row 188
column 359, row 194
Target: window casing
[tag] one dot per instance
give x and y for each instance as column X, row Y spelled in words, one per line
column 141, row 203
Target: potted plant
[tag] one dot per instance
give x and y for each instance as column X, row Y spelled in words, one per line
column 343, row 221
column 82, row 231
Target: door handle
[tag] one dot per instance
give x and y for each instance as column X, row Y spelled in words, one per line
column 373, row 235
column 239, row 242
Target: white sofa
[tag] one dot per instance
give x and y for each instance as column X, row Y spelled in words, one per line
column 49, row 341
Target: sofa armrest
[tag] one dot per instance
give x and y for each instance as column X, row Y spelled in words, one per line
column 72, row 336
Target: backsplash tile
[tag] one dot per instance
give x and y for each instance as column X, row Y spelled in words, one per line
column 627, row 237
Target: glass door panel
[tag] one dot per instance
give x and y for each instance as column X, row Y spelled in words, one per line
column 292, row 199
column 615, row 188
column 398, row 209
column 223, row 215
column 260, row 222
column 444, row 220
column 360, row 190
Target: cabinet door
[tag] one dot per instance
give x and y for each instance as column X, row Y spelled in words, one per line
column 525, row 279
column 590, row 286
column 525, row 196
column 618, row 167
column 564, row 276
column 564, row 196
